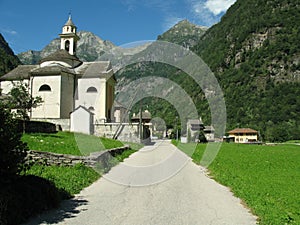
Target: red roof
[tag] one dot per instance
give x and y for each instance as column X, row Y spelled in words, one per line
column 243, row 131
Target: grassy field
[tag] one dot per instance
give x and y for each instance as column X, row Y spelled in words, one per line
column 69, row 143
column 267, row 178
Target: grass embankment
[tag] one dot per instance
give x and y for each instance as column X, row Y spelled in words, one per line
column 69, row 143
column 267, row 178
column 72, row 179
column 42, row 187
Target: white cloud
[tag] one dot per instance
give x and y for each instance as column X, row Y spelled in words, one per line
column 208, row 12
column 202, row 15
column 9, row 31
column 218, row 6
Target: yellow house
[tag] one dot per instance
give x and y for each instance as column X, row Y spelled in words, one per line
column 243, row 135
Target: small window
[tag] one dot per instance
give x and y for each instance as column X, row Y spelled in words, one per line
column 91, row 108
column 45, row 87
column 91, row 90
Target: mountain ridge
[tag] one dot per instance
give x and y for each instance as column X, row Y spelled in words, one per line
column 183, row 33
column 89, row 48
column 255, row 54
column 8, row 60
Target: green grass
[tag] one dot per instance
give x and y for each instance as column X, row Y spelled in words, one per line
column 69, row 143
column 293, row 142
column 134, row 146
column 267, row 178
column 125, row 155
column 73, row 179
column 70, row 179
column 42, row 187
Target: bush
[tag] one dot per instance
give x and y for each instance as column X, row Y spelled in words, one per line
column 13, row 150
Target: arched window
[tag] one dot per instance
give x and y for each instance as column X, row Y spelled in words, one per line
column 45, row 87
column 91, row 90
column 67, row 45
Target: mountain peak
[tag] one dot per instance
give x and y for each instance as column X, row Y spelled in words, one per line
column 89, row 48
column 183, row 33
column 186, row 22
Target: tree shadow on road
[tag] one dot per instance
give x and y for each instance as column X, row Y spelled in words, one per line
column 67, row 209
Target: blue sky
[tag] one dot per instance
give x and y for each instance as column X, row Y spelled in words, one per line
column 32, row 24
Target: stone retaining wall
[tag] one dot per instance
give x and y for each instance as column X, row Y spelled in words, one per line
column 49, row 158
column 128, row 132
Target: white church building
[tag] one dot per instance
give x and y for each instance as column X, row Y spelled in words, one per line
column 69, row 87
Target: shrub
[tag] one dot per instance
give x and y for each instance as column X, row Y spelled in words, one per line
column 13, row 150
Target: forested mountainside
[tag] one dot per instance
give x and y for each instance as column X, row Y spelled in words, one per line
column 8, row 60
column 255, row 53
column 183, row 33
column 187, row 35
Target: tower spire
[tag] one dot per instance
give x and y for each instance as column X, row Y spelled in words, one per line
column 69, row 37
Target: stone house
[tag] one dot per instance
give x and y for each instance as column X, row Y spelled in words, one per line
column 194, row 126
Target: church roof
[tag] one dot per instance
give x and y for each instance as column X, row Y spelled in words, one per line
column 51, row 70
column 95, row 69
column 19, row 73
column 70, row 22
column 63, row 56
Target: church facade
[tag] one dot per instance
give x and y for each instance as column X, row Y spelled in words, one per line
column 77, row 96
column 65, row 83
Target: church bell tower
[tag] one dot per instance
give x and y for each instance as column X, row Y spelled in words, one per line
column 68, row 37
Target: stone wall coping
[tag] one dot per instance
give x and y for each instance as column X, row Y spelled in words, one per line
column 92, row 155
column 52, row 158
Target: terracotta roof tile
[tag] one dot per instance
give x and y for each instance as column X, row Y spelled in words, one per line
column 243, row 131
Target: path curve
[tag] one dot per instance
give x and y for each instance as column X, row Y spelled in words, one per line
column 187, row 197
